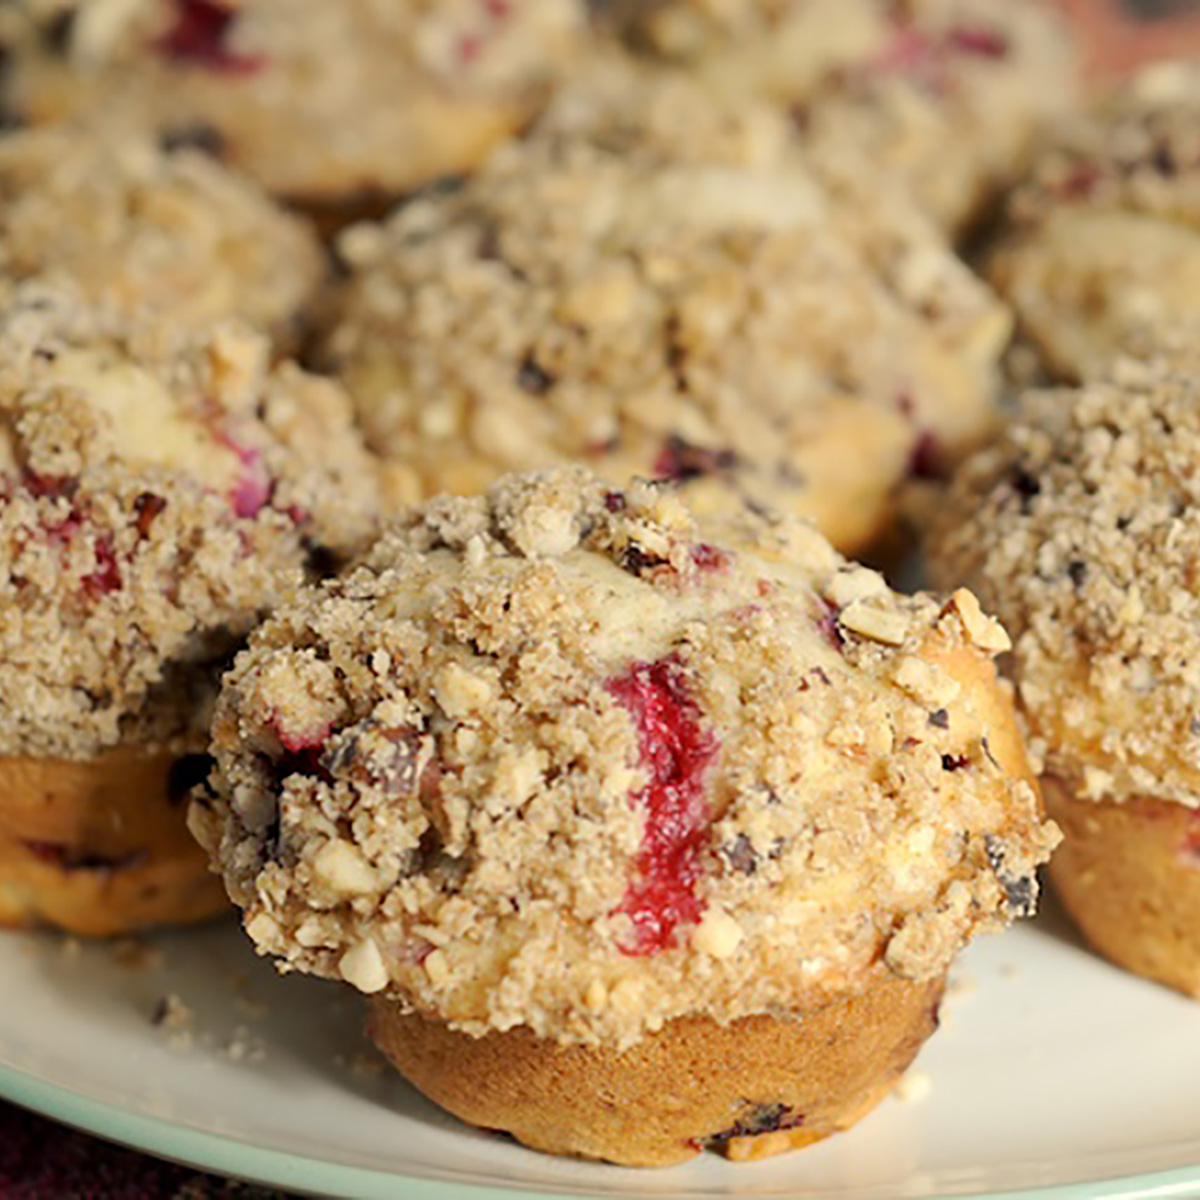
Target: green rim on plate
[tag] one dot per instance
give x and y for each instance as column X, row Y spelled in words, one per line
column 274, row 1168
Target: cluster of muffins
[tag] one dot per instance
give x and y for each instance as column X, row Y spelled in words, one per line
column 430, row 434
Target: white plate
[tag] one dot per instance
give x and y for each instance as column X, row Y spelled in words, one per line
column 1052, row 1072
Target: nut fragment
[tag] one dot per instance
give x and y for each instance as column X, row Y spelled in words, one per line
column 874, row 623
column 986, row 632
column 460, row 692
column 343, row 870
column 363, row 967
column 717, row 935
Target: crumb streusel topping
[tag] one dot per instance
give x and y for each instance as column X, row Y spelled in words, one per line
column 158, row 491
column 151, row 229
column 315, row 100
column 671, row 117
column 1080, row 529
column 1100, row 251
column 947, row 94
column 698, row 319
column 552, row 757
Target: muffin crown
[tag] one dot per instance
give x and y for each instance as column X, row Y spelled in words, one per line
column 556, row 757
column 1080, row 529
column 158, row 491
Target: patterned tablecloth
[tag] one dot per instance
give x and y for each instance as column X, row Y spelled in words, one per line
column 42, row 1161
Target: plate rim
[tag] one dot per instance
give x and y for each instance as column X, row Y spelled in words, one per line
column 221, row 1155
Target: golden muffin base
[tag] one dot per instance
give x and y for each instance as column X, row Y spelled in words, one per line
column 101, row 847
column 734, row 1088
column 1126, row 876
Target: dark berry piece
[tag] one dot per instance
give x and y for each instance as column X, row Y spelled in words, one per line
column 709, row 558
column 146, row 508
column 740, row 855
column 762, row 1118
column 926, row 459
column 199, row 37
column 940, row 718
column 533, row 378
column 635, row 559
column 201, row 136
column 679, row 461
column 955, row 762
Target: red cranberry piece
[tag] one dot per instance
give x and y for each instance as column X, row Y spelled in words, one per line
column 1080, row 182
column 252, row 491
column 49, row 487
column 679, row 461
column 827, row 624
column 926, row 461
column 298, row 743
column 908, row 53
column 978, row 40
column 199, row 37
column 676, row 751
column 106, row 577
column 709, row 558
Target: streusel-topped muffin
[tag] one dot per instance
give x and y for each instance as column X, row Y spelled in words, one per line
column 593, row 799
column 322, row 103
column 1100, row 250
column 698, row 319
column 947, row 94
column 670, row 117
column 151, row 229
column 1079, row 527
column 157, row 494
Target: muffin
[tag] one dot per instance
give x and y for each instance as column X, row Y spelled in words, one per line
column 671, row 117
column 1100, row 247
column 947, row 94
column 158, row 492
column 700, row 321
column 641, row 835
column 326, row 104
column 149, row 228
column 1080, row 529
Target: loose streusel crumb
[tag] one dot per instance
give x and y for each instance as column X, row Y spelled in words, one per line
column 1100, row 251
column 693, row 319
column 1079, row 529
column 555, row 757
column 176, row 1020
column 159, row 492
column 945, row 94
column 321, row 102
column 148, row 229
